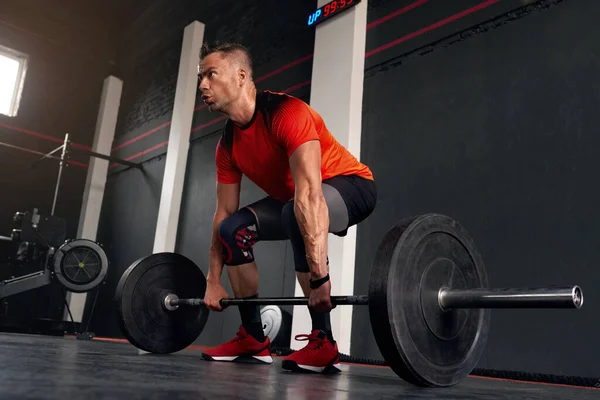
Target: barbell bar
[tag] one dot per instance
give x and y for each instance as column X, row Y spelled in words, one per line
column 429, row 301
column 270, row 301
column 561, row 297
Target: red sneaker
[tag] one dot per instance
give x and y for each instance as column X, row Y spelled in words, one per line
column 242, row 347
column 319, row 355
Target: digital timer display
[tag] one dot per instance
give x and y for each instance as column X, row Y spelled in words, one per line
column 329, row 10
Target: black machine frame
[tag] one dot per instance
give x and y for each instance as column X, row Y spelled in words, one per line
column 34, row 280
column 51, row 265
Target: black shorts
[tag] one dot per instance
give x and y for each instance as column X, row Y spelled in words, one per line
column 350, row 200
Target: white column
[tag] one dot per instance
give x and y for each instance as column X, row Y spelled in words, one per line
column 337, row 94
column 179, row 139
column 93, row 193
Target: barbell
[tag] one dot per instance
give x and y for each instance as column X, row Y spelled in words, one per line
column 428, row 298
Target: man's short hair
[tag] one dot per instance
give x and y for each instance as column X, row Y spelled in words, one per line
column 228, row 48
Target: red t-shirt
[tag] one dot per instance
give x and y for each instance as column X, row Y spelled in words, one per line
column 262, row 154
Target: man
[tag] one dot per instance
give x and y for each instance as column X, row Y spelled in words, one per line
column 314, row 186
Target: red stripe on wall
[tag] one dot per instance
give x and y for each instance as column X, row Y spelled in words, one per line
column 39, row 153
column 214, row 121
column 285, row 67
column 141, row 153
column 143, row 135
column 296, row 87
column 431, row 27
column 396, row 13
column 82, row 165
column 42, row 136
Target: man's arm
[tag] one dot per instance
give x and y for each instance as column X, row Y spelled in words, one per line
column 310, row 207
column 228, row 200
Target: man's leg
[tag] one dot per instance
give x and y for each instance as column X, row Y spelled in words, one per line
column 238, row 234
column 338, row 222
column 244, row 282
column 320, row 321
column 259, row 221
column 349, row 201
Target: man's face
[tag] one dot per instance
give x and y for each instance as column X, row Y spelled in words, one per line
column 218, row 82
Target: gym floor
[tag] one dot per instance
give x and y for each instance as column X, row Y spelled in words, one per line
column 45, row 367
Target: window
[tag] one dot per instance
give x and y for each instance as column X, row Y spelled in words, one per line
column 12, row 74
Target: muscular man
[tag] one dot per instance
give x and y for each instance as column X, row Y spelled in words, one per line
column 314, row 186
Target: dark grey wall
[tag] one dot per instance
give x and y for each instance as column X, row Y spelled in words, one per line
column 499, row 131
column 126, row 229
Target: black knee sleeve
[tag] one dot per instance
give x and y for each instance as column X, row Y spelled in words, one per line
column 291, row 228
column 238, row 234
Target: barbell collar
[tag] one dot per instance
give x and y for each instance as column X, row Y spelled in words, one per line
column 172, row 301
column 561, row 297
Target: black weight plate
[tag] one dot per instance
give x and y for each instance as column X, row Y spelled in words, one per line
column 423, row 344
column 140, row 297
